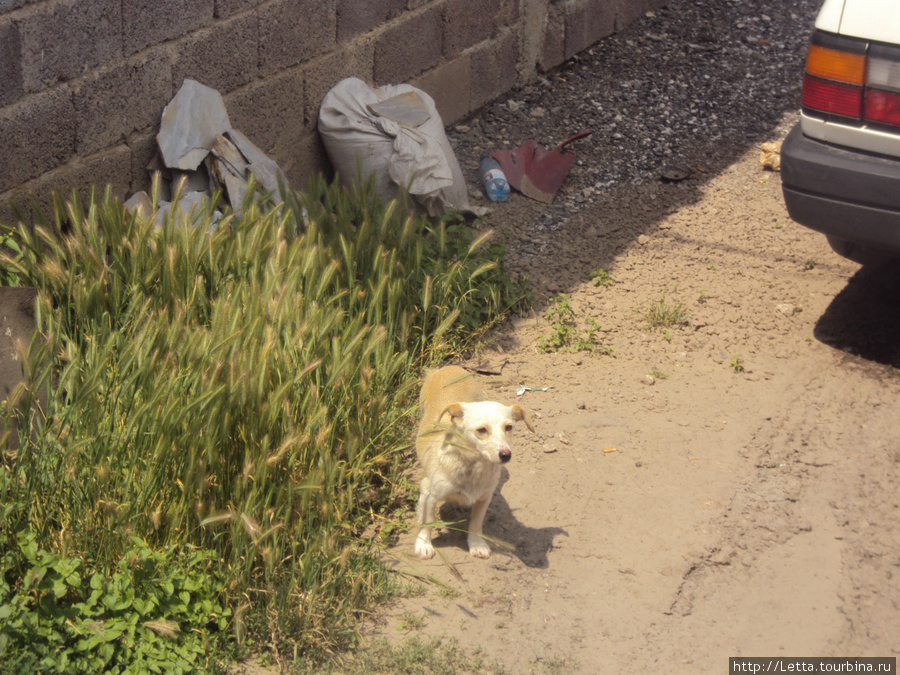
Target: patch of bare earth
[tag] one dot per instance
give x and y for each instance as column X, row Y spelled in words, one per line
column 723, row 487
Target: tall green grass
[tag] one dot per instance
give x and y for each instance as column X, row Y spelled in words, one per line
column 245, row 390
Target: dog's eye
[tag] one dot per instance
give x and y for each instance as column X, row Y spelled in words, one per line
column 481, row 431
column 508, row 428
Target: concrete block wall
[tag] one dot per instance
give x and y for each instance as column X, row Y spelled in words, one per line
column 83, row 82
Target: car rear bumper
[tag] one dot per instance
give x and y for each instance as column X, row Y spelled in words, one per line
column 846, row 194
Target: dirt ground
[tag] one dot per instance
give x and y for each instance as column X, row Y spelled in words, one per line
column 723, row 487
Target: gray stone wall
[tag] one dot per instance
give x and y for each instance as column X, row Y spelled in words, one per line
column 83, row 82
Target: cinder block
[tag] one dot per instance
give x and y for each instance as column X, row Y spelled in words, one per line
column 494, row 69
column 226, row 8
column 450, row 86
column 222, row 57
column 353, row 60
column 305, row 156
column 27, row 202
column 587, row 21
column 111, row 167
column 355, row 17
column 10, row 63
column 467, row 23
column 553, row 48
column 7, row 217
column 36, row 134
column 115, row 101
column 293, row 31
column 62, row 40
column 150, row 22
column 143, row 148
column 409, row 47
column 270, row 112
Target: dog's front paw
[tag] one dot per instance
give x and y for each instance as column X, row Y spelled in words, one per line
column 479, row 548
column 424, row 549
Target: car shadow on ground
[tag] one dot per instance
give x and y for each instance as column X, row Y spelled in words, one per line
column 863, row 319
column 505, row 533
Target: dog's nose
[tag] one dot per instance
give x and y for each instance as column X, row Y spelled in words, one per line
column 505, row 456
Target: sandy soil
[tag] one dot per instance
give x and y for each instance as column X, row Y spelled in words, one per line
column 672, row 511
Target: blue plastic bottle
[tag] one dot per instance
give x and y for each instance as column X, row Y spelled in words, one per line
column 493, row 179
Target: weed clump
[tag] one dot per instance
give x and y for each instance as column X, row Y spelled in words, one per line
column 564, row 334
column 241, row 395
column 663, row 314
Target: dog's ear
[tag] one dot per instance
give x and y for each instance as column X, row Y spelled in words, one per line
column 521, row 415
column 455, row 411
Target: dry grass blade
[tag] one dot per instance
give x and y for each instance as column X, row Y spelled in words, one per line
column 169, row 629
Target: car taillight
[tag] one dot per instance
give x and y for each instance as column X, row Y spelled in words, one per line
column 883, row 85
column 832, row 98
column 883, row 107
column 852, row 80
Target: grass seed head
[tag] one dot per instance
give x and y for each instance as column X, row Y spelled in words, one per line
column 164, row 627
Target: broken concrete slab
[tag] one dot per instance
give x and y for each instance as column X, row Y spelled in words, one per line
column 267, row 175
column 160, row 176
column 189, row 208
column 246, row 146
column 17, row 328
column 199, row 153
column 190, row 124
column 228, row 168
column 267, row 172
column 236, row 188
column 141, row 204
column 193, row 181
column 229, row 156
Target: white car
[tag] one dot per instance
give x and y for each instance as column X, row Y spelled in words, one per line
column 840, row 165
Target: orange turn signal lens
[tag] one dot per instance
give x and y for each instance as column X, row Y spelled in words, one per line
column 837, row 66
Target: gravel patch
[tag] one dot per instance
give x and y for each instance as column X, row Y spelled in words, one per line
column 677, row 94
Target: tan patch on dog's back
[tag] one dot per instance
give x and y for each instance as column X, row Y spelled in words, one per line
column 441, row 387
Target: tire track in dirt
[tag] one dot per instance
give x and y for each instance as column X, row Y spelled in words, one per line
column 799, row 529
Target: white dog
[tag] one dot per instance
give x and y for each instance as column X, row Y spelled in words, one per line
column 462, row 442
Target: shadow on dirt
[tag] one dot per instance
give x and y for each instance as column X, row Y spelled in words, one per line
column 668, row 117
column 556, row 257
column 863, row 319
column 503, row 530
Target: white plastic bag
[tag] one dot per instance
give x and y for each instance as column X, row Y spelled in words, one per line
column 395, row 134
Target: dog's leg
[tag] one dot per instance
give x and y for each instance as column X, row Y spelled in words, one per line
column 425, row 513
column 478, row 547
